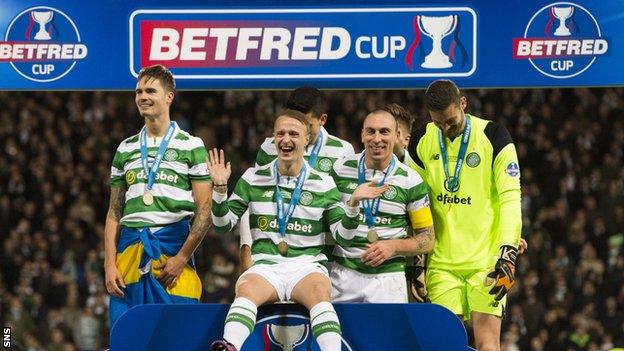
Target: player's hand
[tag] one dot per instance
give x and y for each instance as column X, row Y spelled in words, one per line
column 171, row 270
column 219, row 171
column 503, row 275
column 367, row 191
column 416, row 278
column 522, row 246
column 114, row 281
column 378, row 252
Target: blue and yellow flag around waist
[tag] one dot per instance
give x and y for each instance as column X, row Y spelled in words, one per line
column 138, row 251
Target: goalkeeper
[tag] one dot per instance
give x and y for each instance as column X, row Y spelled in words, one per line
column 471, row 167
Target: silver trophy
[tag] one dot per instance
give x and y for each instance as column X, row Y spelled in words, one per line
column 562, row 14
column 42, row 18
column 437, row 28
column 287, row 336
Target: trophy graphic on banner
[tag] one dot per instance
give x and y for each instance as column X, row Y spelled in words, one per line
column 42, row 18
column 287, row 336
column 437, row 28
column 562, row 14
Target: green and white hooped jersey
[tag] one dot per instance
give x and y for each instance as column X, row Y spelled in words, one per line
column 318, row 212
column 183, row 162
column 333, row 149
column 406, row 198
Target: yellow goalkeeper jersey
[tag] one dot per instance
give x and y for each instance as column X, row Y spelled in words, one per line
column 472, row 221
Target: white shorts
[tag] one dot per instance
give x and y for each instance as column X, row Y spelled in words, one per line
column 285, row 276
column 352, row 286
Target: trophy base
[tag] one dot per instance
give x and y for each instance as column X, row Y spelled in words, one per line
column 44, row 36
column 562, row 33
column 441, row 61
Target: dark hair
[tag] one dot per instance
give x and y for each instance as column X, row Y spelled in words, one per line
column 161, row 73
column 441, row 94
column 298, row 115
column 306, row 99
column 401, row 114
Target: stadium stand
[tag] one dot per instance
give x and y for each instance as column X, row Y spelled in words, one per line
column 55, row 155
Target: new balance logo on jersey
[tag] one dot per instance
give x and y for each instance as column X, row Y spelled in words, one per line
column 268, row 193
column 292, row 226
column 352, row 186
column 447, row 199
column 378, row 220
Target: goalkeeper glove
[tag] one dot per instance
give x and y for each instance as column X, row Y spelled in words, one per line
column 503, row 275
column 416, row 278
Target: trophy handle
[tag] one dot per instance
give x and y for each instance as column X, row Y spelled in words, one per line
column 420, row 27
column 453, row 26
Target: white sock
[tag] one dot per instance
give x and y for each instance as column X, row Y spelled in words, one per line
column 325, row 326
column 240, row 321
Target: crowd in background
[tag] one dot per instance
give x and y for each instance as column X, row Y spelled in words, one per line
column 56, row 150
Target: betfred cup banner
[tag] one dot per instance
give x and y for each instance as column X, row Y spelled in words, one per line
column 294, row 44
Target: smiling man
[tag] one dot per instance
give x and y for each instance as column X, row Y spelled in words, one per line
column 159, row 181
column 291, row 207
column 471, row 167
column 321, row 152
column 369, row 264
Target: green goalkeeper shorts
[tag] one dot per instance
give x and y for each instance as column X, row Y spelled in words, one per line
column 463, row 292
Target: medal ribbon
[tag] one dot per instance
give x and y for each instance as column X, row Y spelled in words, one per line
column 453, row 182
column 151, row 173
column 372, row 206
column 283, row 218
column 317, row 148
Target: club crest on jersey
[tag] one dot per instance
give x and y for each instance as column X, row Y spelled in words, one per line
column 473, row 159
column 390, row 194
column 171, row 155
column 306, row 198
column 325, row 164
column 513, row 169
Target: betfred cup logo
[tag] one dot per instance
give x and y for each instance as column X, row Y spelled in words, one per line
column 437, row 28
column 562, row 14
column 42, row 44
column 287, row 336
column 42, row 18
column 561, row 40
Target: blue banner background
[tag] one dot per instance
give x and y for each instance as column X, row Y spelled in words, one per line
column 414, row 327
column 104, row 28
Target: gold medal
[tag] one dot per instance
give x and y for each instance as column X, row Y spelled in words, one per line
column 372, row 236
column 282, row 247
column 148, row 198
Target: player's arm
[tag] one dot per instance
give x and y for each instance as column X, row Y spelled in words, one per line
column 226, row 212
column 113, row 279
column 173, row 266
column 507, row 181
column 420, row 242
column 246, row 240
column 342, row 216
column 422, row 224
column 201, row 186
